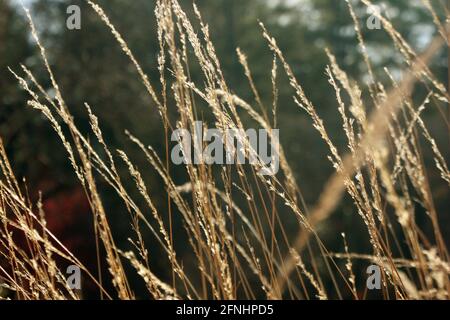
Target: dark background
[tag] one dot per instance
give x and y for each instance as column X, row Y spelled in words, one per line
column 90, row 67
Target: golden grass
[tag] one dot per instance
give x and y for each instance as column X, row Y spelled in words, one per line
column 245, row 252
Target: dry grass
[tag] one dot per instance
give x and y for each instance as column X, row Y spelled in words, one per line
column 245, row 252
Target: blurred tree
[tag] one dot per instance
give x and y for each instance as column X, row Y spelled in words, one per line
column 14, row 49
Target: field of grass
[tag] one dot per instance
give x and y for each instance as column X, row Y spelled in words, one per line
column 234, row 243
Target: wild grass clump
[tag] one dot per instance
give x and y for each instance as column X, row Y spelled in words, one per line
column 231, row 215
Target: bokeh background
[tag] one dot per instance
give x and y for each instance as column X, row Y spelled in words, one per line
column 90, row 67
